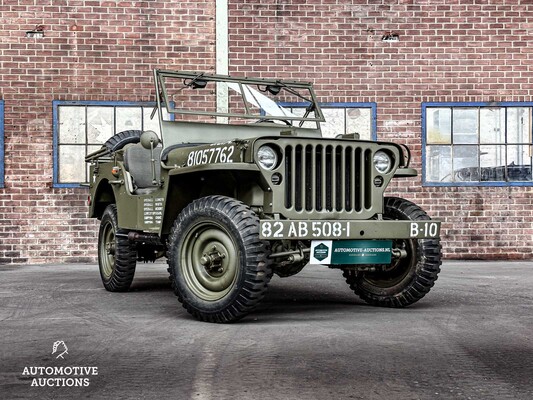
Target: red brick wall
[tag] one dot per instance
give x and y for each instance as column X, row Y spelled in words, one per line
column 92, row 50
column 451, row 50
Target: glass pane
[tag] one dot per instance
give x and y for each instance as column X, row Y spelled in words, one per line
column 439, row 125
column 439, row 164
column 89, row 150
column 100, row 124
column 335, row 124
column 93, row 148
column 151, row 124
column 492, row 125
column 465, row 163
column 359, row 120
column 71, row 124
column 519, row 163
column 492, row 163
column 518, row 125
column 465, row 125
column 128, row 118
column 72, row 164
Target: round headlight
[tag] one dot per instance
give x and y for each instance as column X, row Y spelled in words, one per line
column 267, row 157
column 382, row 162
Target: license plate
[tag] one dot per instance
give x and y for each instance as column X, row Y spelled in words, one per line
column 304, row 229
column 368, row 229
column 351, row 252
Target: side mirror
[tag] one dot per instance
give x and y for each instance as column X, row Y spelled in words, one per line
column 273, row 89
column 149, row 140
column 198, row 84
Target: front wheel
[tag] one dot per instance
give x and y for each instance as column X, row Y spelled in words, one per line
column 218, row 266
column 408, row 279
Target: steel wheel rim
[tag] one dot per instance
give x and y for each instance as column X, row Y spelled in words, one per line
column 107, row 250
column 210, row 282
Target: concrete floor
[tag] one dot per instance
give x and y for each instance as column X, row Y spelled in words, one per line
column 311, row 338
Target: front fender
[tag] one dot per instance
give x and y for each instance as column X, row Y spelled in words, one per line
column 188, row 184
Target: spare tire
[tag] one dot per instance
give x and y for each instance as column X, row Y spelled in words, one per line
column 119, row 140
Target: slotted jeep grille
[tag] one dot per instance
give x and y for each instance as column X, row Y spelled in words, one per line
column 328, row 178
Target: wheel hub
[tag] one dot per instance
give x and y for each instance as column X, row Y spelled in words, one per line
column 110, row 248
column 212, row 261
column 209, row 260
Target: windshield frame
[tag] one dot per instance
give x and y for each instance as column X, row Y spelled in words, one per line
column 303, row 90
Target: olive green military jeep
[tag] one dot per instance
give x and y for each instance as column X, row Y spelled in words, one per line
column 238, row 187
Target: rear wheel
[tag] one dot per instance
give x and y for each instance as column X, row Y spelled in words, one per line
column 218, row 265
column 116, row 257
column 408, row 279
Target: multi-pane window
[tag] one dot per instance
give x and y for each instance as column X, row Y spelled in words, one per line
column 477, row 143
column 82, row 127
column 1, row 143
column 343, row 118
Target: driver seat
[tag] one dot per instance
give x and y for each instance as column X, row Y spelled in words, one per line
column 138, row 162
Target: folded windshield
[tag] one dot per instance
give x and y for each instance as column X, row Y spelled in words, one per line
column 204, row 97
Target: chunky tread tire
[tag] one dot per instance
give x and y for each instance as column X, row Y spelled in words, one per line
column 253, row 268
column 123, row 263
column 420, row 276
column 121, row 139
